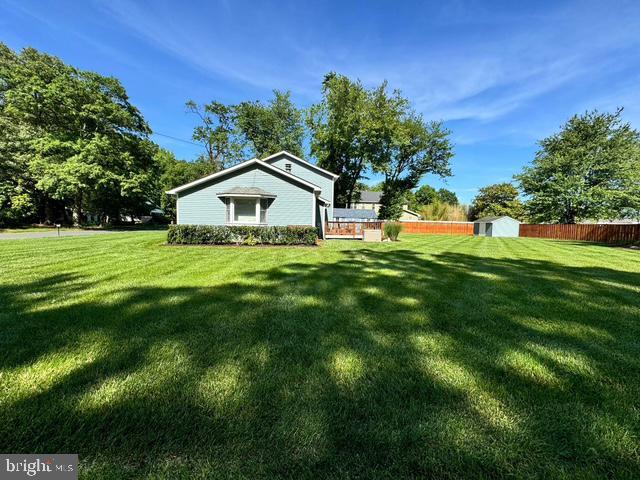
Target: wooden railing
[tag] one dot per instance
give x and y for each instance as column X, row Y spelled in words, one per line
column 605, row 233
column 350, row 229
column 438, row 228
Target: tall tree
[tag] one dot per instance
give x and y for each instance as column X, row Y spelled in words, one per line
column 355, row 129
column 84, row 143
column 17, row 190
column 447, row 196
column 338, row 133
column 217, row 133
column 588, row 170
column 273, row 127
column 426, row 195
column 497, row 200
column 417, row 148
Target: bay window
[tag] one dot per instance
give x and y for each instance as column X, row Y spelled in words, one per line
column 246, row 210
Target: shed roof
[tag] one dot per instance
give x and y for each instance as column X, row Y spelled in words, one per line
column 354, row 213
column 493, row 219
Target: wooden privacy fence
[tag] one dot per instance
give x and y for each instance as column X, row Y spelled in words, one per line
column 608, row 233
column 438, row 228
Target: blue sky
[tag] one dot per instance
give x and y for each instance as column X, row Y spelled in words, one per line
column 501, row 75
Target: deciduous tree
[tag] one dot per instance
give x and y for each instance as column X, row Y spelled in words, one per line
column 355, row 129
column 497, row 200
column 447, row 196
column 217, row 133
column 418, row 148
column 426, row 195
column 588, row 170
column 80, row 141
column 273, row 127
column 339, row 134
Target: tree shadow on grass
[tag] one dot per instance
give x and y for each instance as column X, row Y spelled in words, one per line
column 383, row 364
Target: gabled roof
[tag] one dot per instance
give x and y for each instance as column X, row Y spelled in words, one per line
column 368, row 196
column 410, row 211
column 354, row 213
column 293, row 157
column 324, row 200
column 240, row 166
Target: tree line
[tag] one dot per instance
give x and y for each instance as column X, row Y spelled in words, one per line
column 589, row 170
column 73, row 148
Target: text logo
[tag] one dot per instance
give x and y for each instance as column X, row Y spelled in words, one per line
column 46, row 467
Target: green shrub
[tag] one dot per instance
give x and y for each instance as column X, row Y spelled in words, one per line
column 392, row 230
column 241, row 234
column 250, row 240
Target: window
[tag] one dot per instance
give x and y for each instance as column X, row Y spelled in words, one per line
column 264, row 204
column 244, row 210
column 227, row 205
column 287, row 167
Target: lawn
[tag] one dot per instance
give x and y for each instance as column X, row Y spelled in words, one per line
column 435, row 356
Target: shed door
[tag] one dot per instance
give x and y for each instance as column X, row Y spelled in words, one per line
column 488, row 229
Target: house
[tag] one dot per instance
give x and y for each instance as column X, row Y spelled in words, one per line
column 408, row 215
column 281, row 189
column 354, row 215
column 370, row 200
column 496, row 227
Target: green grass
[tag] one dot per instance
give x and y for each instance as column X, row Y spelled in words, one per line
column 436, row 356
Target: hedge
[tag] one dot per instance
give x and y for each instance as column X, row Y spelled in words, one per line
column 241, row 235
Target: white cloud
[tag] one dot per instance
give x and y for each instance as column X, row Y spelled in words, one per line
column 486, row 77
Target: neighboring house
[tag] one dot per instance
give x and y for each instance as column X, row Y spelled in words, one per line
column 281, row 189
column 496, row 227
column 370, row 200
column 354, row 215
column 408, row 215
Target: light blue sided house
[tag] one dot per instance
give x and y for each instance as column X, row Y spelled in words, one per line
column 281, row 189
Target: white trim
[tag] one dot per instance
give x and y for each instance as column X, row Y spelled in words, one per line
column 323, row 216
column 327, row 202
column 258, row 208
column 291, row 155
column 244, row 195
column 313, row 211
column 177, row 209
column 222, row 173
